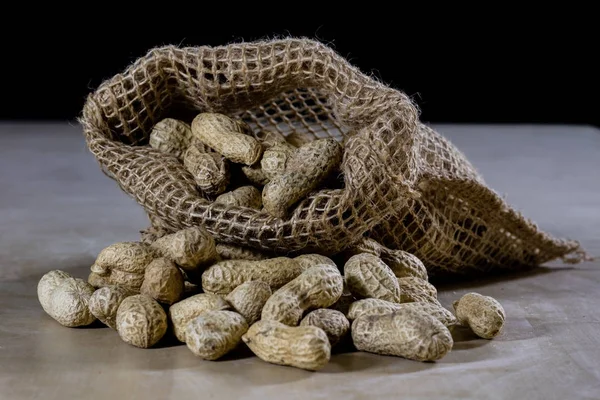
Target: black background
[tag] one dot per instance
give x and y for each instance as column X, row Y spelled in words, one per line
column 487, row 68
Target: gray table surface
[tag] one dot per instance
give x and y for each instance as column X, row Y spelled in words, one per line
column 57, row 211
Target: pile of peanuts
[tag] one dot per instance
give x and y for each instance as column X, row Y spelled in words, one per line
column 291, row 311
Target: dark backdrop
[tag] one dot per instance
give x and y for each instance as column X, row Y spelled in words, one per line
column 517, row 70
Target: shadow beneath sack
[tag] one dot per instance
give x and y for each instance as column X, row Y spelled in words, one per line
column 464, row 281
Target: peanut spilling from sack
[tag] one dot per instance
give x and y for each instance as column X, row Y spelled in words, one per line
column 288, row 309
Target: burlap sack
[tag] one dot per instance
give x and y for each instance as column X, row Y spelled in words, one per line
column 404, row 184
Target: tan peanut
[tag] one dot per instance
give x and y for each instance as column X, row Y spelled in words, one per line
column 105, row 302
column 249, row 298
column 267, row 139
column 226, row 136
column 367, row 276
column 244, row 196
column 171, row 136
column 310, row 165
column 213, row 334
column 255, row 174
column 344, row 302
column 483, row 314
column 334, row 323
column 308, row 260
column 402, row 263
column 141, row 321
column 65, row 298
column 407, row 333
column 163, row 281
column 233, row 252
column 319, row 286
column 305, row 347
column 275, row 159
column 123, row 264
column 378, row 307
column 182, row 312
column 210, row 170
column 417, row 290
column 190, row 248
column 224, row 276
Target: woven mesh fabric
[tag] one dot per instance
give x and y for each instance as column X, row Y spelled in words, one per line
column 404, row 184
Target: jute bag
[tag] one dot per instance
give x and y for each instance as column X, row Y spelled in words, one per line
column 404, row 185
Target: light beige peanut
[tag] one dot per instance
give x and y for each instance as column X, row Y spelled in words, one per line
column 319, row 286
column 141, row 321
column 310, row 165
column 171, row 136
column 210, row 170
column 105, row 302
column 402, row 263
column 308, row 260
column 417, row 290
column 129, row 280
column 254, row 172
column 163, row 281
column 190, row 248
column 378, row 307
column 213, row 334
column 65, row 298
column 226, row 136
column 305, row 347
column 334, row 323
column 224, row 276
column 408, row 333
column 182, row 312
column 244, row 196
column 275, row 159
column 233, row 252
column 367, row 276
column 483, row 314
column 249, row 298
column 131, row 257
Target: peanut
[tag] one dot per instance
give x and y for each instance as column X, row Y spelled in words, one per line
column 224, row 276
column 141, row 321
column 226, row 136
column 209, row 169
column 65, row 298
column 402, row 263
column 171, row 136
column 163, row 281
column 105, row 302
column 334, row 323
column 483, row 314
column 254, row 172
column 417, row 290
column 249, row 298
column 305, row 347
column 308, row 260
column 122, row 264
column 233, row 252
column 213, row 334
column 319, row 286
column 378, row 307
column 407, row 333
column 190, row 248
column 244, row 196
column 181, row 313
column 275, row 159
column 368, row 276
column 344, row 302
column 310, row 165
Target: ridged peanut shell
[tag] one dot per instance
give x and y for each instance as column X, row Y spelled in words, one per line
column 130, row 257
column 249, row 298
column 408, row 333
column 171, row 136
column 417, row 290
column 163, row 281
column 190, row 248
column 310, row 260
column 105, row 302
column 483, row 314
column 305, row 347
column 233, row 252
column 334, row 323
column 141, row 321
column 182, row 312
column 402, row 263
column 65, row 298
column 244, row 196
column 378, row 307
column 213, row 334
column 210, row 170
column 367, row 276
